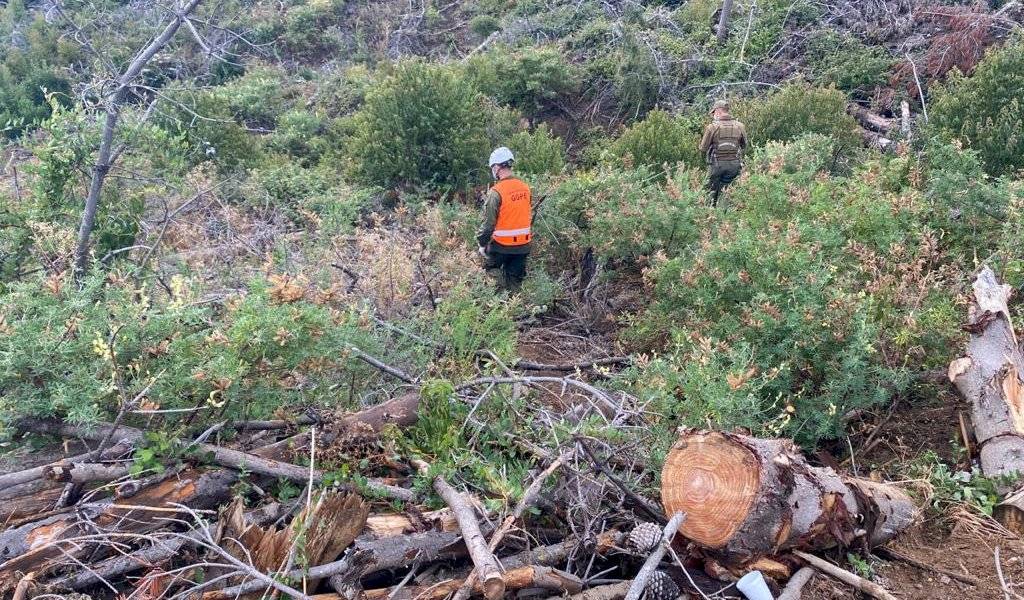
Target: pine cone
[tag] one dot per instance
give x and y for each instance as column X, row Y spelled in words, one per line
column 644, row 537
column 660, row 587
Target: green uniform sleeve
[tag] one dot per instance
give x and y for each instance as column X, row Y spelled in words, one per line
column 705, row 142
column 490, row 216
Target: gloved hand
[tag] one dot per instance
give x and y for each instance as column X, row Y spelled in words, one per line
column 482, row 251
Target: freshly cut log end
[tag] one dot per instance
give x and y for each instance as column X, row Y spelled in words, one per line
column 1010, row 512
column 747, row 498
column 714, row 481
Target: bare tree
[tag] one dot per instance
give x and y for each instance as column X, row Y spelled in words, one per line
column 723, row 21
column 114, row 100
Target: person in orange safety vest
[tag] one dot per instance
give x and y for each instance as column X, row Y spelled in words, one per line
column 504, row 236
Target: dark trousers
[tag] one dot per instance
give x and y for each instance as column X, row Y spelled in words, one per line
column 512, row 268
column 720, row 175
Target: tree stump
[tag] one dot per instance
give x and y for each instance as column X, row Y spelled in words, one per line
column 990, row 378
column 746, row 498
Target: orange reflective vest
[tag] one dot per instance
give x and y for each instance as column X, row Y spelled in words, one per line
column 513, row 225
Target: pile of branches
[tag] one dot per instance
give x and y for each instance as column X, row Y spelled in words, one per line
column 206, row 529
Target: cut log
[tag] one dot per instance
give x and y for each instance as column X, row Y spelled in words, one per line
column 990, row 378
column 32, row 547
column 869, row 120
column 84, row 472
column 22, row 477
column 1010, row 512
column 747, row 498
column 227, row 457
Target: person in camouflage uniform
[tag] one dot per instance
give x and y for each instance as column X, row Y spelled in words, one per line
column 723, row 144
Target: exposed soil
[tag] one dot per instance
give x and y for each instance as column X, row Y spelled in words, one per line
column 934, row 544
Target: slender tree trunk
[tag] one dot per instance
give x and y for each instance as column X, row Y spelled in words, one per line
column 723, row 21
column 106, row 156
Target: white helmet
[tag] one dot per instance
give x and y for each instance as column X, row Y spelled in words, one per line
column 500, row 156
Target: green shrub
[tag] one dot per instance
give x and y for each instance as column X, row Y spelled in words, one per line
column 538, row 152
column 659, row 141
column 813, row 297
column 115, row 339
column 303, row 30
column 424, row 124
column 300, row 134
column 621, row 214
column 986, row 110
column 847, row 63
column 257, row 98
column 304, row 193
column 31, row 68
column 637, row 81
column 798, row 109
column 965, row 203
column 484, row 25
column 529, row 79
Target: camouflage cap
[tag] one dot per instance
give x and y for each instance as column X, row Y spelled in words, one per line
column 719, row 104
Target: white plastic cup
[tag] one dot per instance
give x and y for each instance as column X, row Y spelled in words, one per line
column 754, row 587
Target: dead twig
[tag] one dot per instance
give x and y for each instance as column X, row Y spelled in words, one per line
column 483, row 557
column 794, row 589
column 859, row 583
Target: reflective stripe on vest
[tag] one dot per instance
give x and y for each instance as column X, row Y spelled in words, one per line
column 513, row 225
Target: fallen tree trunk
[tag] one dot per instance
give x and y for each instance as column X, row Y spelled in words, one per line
column 990, row 378
column 747, row 498
column 85, row 472
column 33, row 546
column 226, row 457
column 490, row 579
column 868, row 119
column 401, row 412
column 38, row 497
column 28, row 475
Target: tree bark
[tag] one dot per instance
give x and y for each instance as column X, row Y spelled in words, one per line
column 226, row 457
column 33, row 546
column 723, row 21
column 105, row 157
column 990, row 378
column 489, row 573
column 747, row 498
column 85, row 472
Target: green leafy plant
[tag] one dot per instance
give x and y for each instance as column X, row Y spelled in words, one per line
column 798, row 109
column 538, row 152
column 660, row 141
column 986, row 110
column 424, row 124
